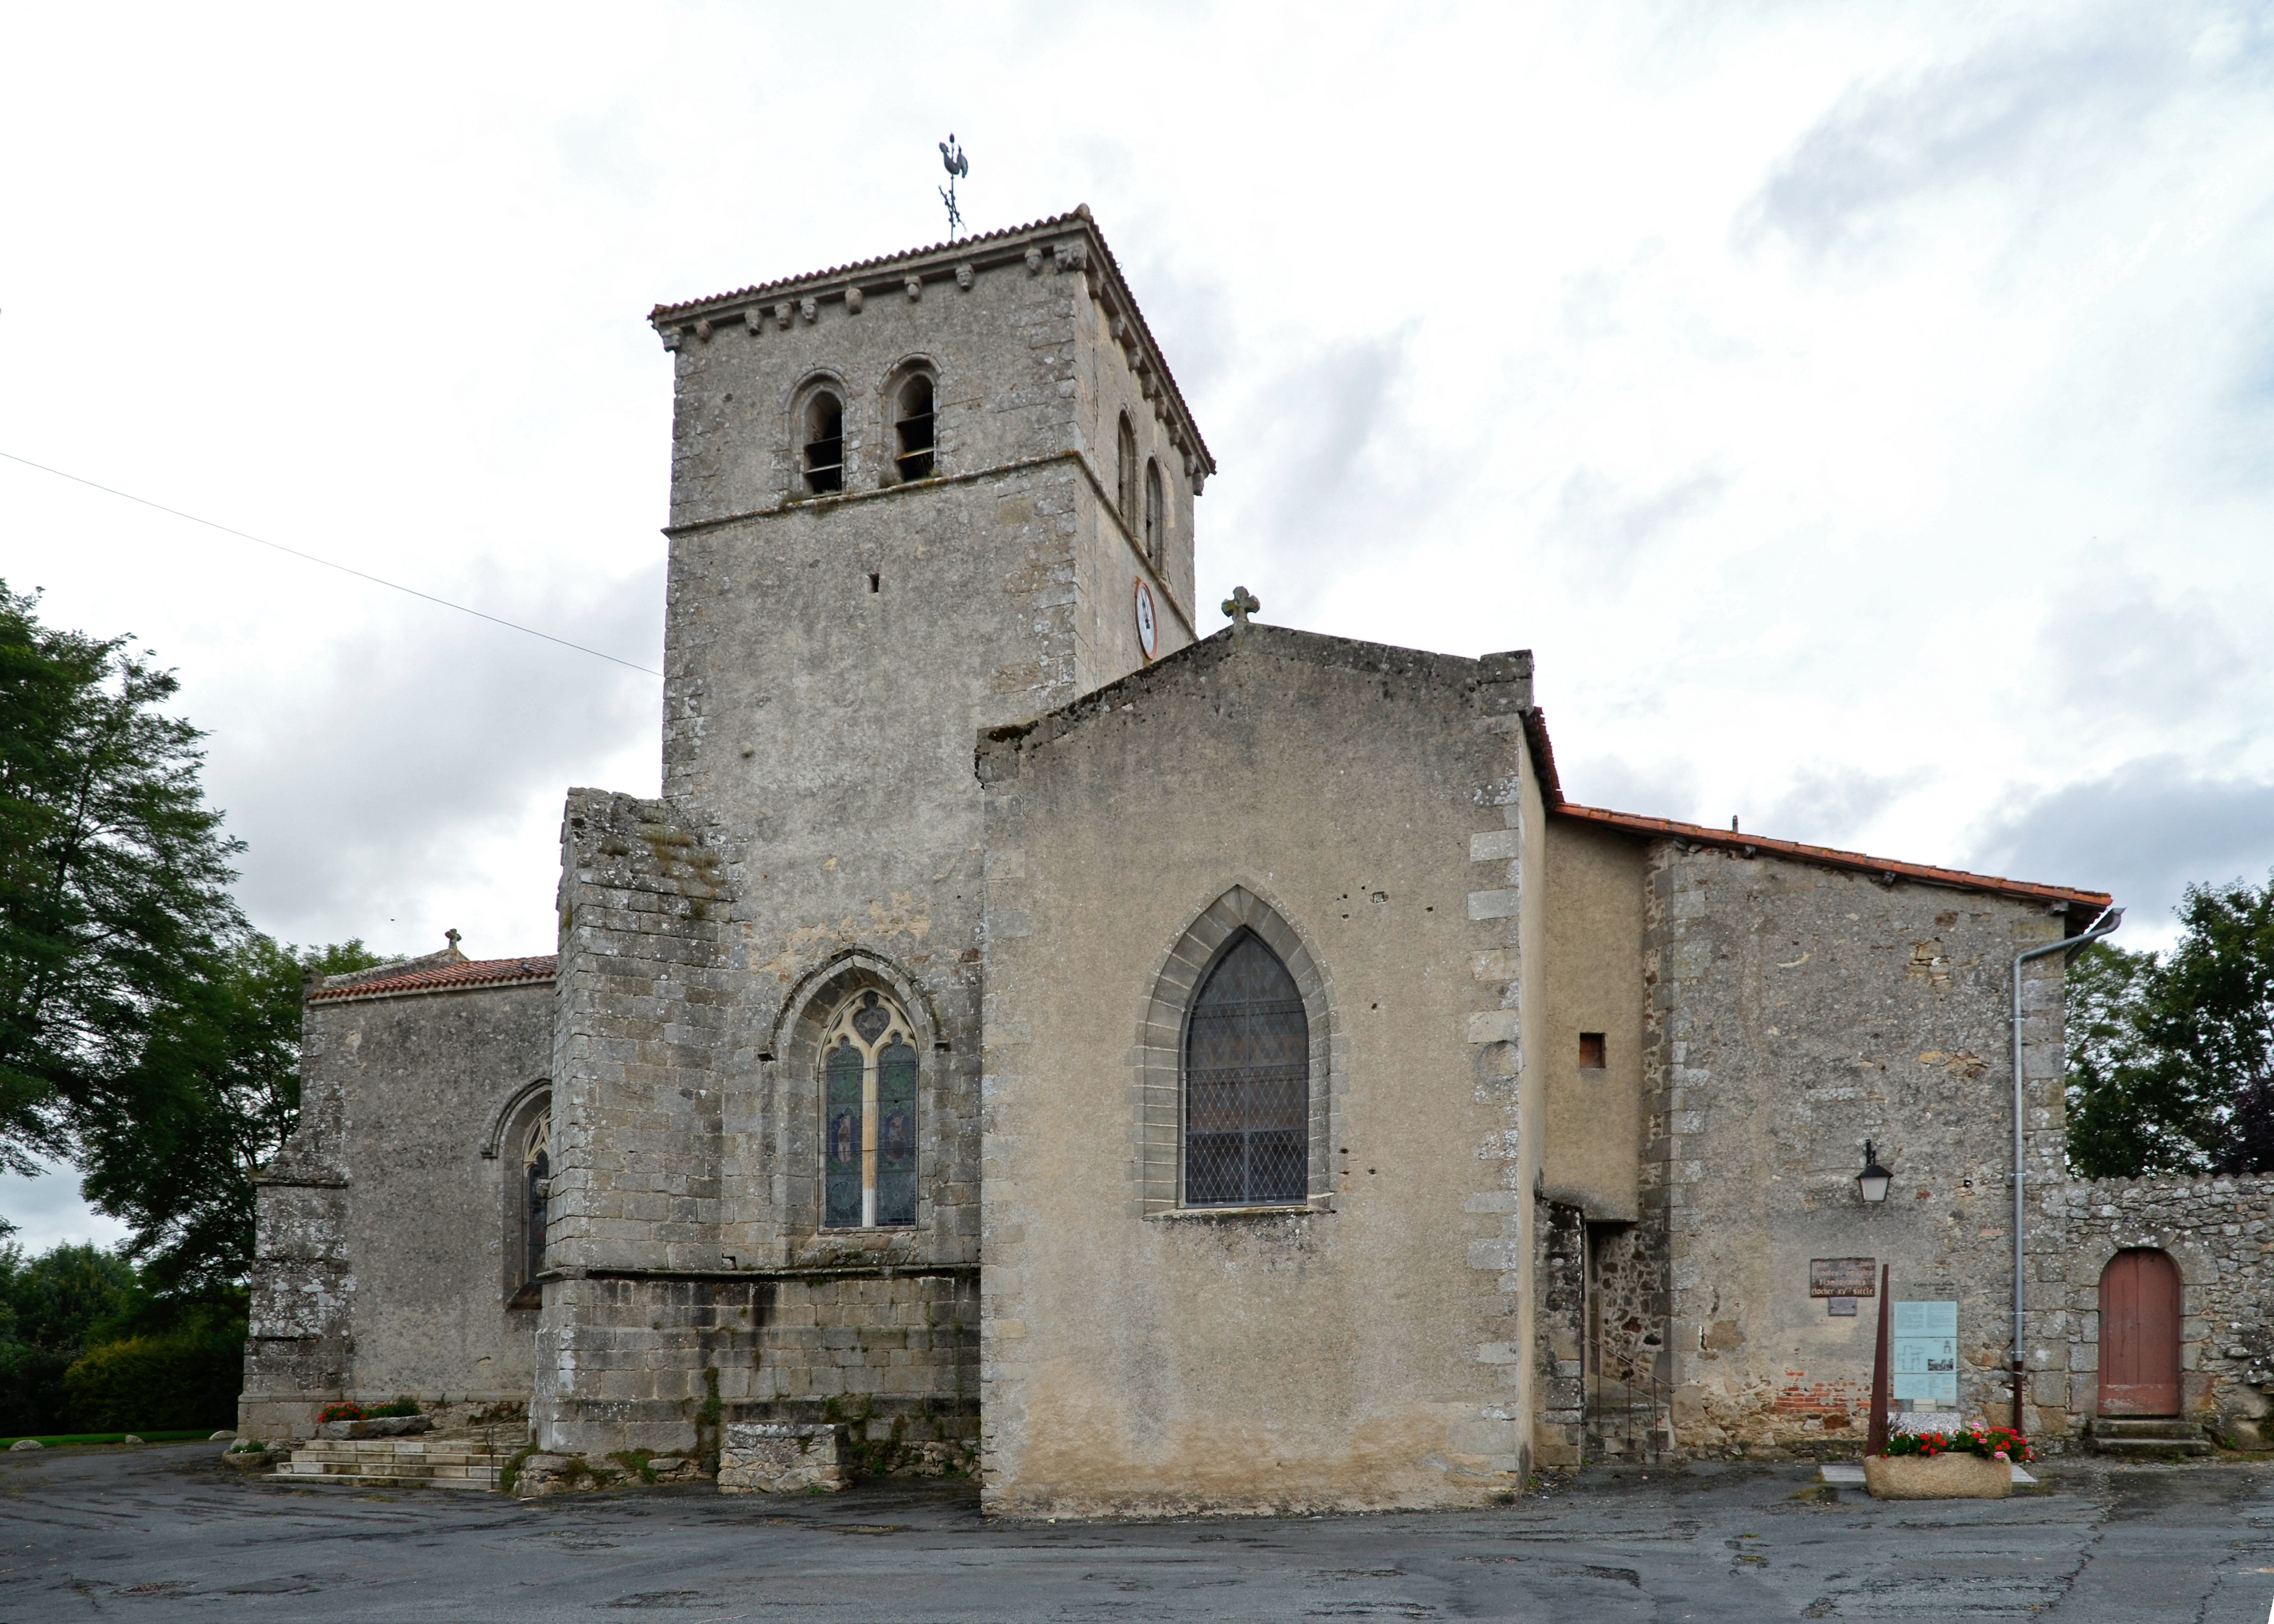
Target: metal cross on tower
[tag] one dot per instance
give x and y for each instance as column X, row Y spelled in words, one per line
column 958, row 167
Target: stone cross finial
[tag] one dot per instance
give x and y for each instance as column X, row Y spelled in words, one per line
column 451, row 937
column 1239, row 606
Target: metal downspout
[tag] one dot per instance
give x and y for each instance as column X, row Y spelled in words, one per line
column 2107, row 922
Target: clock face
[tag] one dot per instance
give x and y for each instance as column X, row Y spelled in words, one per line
column 1149, row 630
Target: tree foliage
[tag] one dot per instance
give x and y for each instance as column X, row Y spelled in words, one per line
column 211, row 1099
column 114, row 873
column 2171, row 1057
column 52, row 1309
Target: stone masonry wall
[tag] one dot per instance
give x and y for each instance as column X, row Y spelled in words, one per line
column 2220, row 1233
column 382, row 1226
column 1796, row 1012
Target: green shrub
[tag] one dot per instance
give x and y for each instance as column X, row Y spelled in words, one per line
column 185, row 1379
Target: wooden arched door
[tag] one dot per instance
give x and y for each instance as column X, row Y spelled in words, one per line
column 2140, row 1334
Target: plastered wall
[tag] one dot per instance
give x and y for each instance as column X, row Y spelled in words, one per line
column 1593, row 983
column 1362, row 1349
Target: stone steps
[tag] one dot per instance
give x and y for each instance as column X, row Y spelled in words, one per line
column 2152, row 1437
column 434, row 1461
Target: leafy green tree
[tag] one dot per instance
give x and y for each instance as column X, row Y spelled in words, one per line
column 214, row 1097
column 2171, row 1057
column 52, row 1309
column 113, row 874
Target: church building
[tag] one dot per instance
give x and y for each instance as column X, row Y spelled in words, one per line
column 1144, row 1057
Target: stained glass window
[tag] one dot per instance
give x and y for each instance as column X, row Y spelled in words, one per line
column 842, row 1072
column 870, row 1071
column 896, row 1134
column 1248, row 1069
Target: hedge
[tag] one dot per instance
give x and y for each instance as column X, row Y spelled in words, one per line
column 184, row 1381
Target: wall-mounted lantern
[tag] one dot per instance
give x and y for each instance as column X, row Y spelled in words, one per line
column 1874, row 1179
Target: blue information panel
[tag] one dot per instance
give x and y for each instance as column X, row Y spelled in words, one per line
column 1926, row 1351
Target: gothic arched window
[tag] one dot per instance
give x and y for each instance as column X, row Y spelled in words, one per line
column 527, row 1194
column 869, row 1074
column 1247, row 1073
column 1153, row 512
column 913, row 425
column 1125, row 486
column 823, row 425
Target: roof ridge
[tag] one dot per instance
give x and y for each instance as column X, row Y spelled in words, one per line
column 459, row 974
column 1828, row 856
column 1080, row 211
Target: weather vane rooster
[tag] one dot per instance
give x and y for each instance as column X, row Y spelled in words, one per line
column 958, row 167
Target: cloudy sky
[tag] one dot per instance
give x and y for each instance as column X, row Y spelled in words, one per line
column 1867, row 413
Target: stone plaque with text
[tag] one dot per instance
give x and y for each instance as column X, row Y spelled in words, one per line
column 1844, row 1277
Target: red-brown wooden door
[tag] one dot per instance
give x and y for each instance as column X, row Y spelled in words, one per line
column 2140, row 1335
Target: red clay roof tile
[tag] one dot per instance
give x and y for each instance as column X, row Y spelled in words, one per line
column 1829, row 857
column 467, row 973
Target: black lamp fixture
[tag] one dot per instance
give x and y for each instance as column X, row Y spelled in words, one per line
column 1874, row 1179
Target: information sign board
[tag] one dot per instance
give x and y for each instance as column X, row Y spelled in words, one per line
column 1926, row 1351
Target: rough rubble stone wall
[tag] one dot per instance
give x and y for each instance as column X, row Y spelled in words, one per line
column 1560, row 1341
column 382, row 1226
column 1627, row 1314
column 1370, row 1344
column 2220, row 1233
column 1796, row 1012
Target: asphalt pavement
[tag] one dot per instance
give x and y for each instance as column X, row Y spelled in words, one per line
column 166, row 1532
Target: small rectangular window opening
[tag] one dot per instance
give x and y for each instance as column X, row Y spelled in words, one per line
column 1590, row 1051
column 876, row 583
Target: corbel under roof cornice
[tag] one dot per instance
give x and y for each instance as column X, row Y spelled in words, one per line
column 942, row 262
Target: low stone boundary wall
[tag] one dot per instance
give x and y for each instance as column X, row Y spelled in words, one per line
column 780, row 1457
column 2220, row 1233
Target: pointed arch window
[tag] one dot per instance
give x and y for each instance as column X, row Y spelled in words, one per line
column 536, row 1189
column 823, row 426
column 528, row 1192
column 1247, row 1063
column 870, row 1072
column 1125, row 487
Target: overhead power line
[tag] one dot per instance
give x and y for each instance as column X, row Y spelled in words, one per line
column 311, row 558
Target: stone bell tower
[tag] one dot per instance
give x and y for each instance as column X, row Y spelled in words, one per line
column 911, row 498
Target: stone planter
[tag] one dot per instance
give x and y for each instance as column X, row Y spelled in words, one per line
column 382, row 1426
column 1939, row 1477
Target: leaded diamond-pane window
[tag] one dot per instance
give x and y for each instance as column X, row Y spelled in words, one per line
column 868, row 1076
column 1248, row 1071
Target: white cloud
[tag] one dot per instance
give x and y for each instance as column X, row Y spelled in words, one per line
column 1862, row 411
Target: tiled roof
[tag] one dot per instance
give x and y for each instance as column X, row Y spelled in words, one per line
column 465, row 973
column 1829, row 857
column 664, row 312
column 664, row 315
